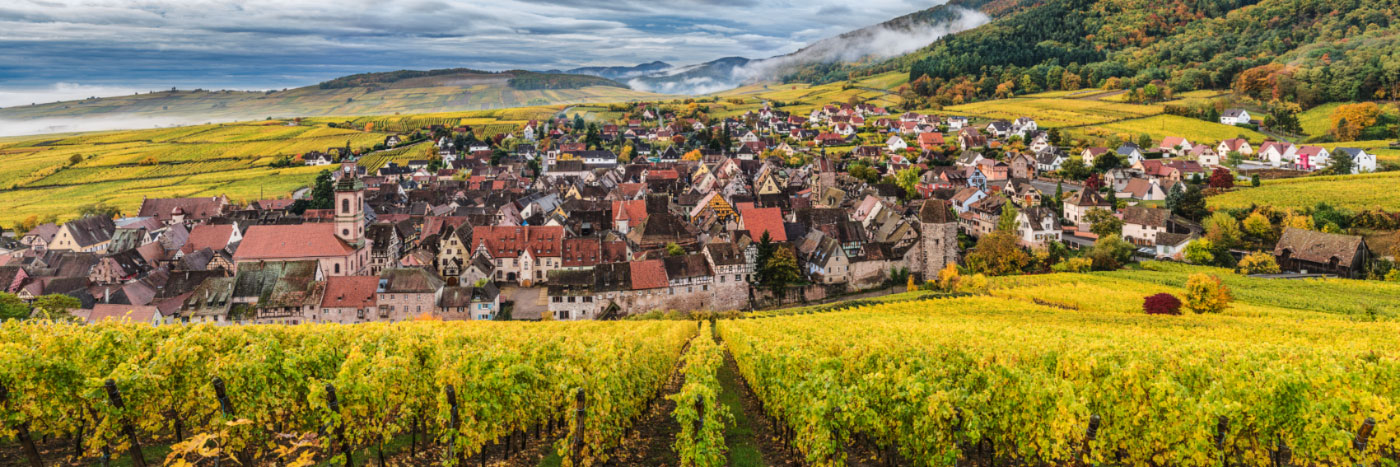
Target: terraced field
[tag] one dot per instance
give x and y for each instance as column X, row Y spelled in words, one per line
column 1161, row 126
column 1357, row 192
column 1054, row 112
column 454, row 95
column 55, row 174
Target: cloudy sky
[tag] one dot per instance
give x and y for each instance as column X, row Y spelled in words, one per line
column 67, row 49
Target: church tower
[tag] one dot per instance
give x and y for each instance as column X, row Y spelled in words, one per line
column 349, row 210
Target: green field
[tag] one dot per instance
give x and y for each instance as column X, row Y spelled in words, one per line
column 1317, row 120
column 1357, row 192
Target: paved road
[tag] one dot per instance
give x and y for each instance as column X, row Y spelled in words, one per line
column 530, row 303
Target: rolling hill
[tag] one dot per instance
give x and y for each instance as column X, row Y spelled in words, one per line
column 399, row 92
column 1304, row 51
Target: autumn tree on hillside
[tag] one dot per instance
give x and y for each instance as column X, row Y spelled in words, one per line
column 1349, row 120
column 1221, row 178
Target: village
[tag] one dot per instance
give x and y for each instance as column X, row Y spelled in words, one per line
column 568, row 220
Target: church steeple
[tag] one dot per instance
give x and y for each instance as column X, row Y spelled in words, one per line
column 349, row 210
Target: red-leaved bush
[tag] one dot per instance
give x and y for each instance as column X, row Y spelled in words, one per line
column 1162, row 304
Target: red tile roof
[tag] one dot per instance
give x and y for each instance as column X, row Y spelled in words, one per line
column 580, row 252
column 662, row 174
column 291, row 241
column 635, row 210
column 214, row 237
column 350, row 292
column 930, row 139
column 510, row 241
column 648, row 274
column 758, row 220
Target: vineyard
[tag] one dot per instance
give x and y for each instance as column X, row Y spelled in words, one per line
column 288, row 394
column 1055, row 112
column 1357, row 192
column 987, row 380
column 1059, row 369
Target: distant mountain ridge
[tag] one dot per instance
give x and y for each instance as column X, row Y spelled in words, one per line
column 619, row 72
column 890, row 38
column 402, row 91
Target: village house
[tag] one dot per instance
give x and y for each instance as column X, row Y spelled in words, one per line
column 406, row 293
column 1310, row 251
column 1080, row 203
column 522, row 254
column 350, row 299
column 1235, row 117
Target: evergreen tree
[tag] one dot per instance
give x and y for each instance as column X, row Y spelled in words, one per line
column 323, row 194
column 781, row 271
column 765, row 251
column 1174, row 197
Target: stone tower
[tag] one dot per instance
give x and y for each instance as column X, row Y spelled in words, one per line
column 349, row 210
column 938, row 238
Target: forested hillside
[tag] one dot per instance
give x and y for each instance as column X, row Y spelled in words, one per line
column 1304, row 51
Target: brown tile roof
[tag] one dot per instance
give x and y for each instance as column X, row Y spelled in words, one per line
column 614, row 251
column 350, row 292
column 692, row 265
column 291, row 241
column 1319, row 247
column 192, row 208
column 936, row 211
column 409, row 280
column 580, row 252
column 91, row 230
column 214, row 237
column 1150, row 217
column 648, row 274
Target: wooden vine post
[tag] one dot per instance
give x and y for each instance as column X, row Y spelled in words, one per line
column 1363, row 438
column 580, row 414
column 1222, row 427
column 699, row 416
column 22, row 431
column 340, row 429
column 115, row 397
column 1090, row 434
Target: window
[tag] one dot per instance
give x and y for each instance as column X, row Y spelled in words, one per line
column 337, row 268
column 556, row 299
column 345, row 205
column 587, row 299
column 571, row 299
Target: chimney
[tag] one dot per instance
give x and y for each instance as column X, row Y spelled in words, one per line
column 107, row 295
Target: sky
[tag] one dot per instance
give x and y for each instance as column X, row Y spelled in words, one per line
column 71, row 49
